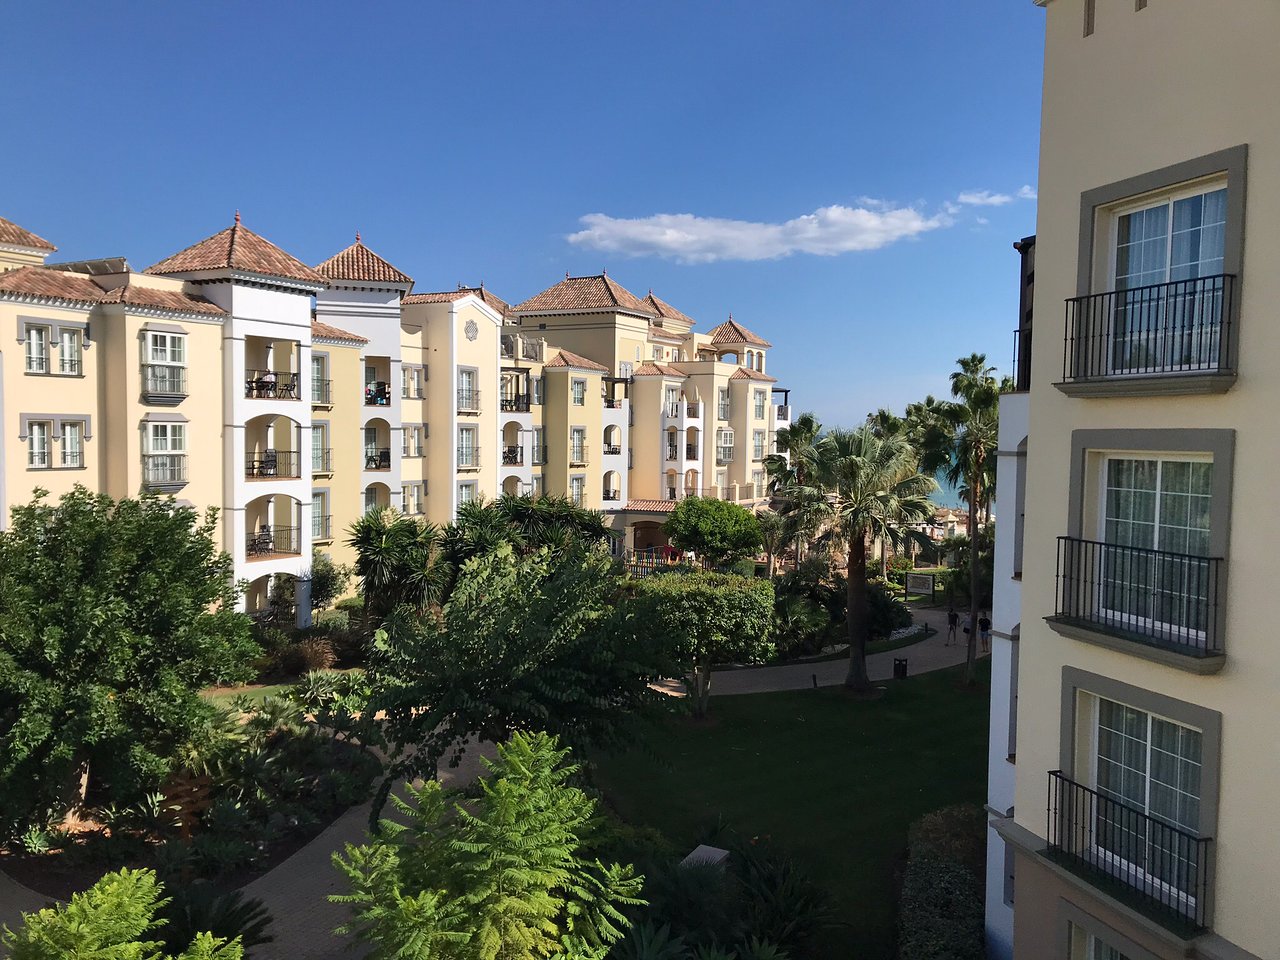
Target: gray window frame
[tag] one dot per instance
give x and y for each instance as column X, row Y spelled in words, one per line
column 1069, row 915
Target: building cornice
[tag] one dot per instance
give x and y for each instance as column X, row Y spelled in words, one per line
column 60, row 302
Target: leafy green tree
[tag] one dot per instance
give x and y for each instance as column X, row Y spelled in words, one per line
column 858, row 488
column 502, row 876
column 709, row 618
column 328, row 580
column 527, row 524
column 113, row 616
column 115, row 919
column 774, row 537
column 717, row 529
column 523, row 643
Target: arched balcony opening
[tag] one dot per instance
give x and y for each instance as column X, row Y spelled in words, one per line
column 691, row 443
column 612, row 491
column 377, row 496
column 271, row 369
column 512, row 487
column 272, row 448
column 272, row 527
column 672, row 485
column 612, row 440
column 377, row 444
column 512, row 445
column 691, row 488
column 673, row 445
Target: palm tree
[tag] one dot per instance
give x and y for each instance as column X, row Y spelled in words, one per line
column 859, row 487
column 399, row 560
column 790, row 466
column 774, row 535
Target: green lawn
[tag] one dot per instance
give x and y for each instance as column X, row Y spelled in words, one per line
column 833, row 780
column 223, row 696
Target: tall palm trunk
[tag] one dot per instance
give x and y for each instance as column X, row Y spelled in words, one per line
column 859, row 615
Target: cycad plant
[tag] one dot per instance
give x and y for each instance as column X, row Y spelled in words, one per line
column 858, row 487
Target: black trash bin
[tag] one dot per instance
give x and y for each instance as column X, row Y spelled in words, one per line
column 899, row 668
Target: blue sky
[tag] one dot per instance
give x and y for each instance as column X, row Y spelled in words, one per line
column 845, row 173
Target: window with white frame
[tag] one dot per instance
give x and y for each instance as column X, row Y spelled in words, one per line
column 757, row 483
column 657, row 353
column 762, row 404
column 722, row 404
column 579, row 390
column 370, row 498
column 722, row 481
column 319, row 379
column 535, row 390
column 37, row 349
column 625, row 368
column 757, row 444
column 578, row 445
column 166, row 448
column 166, row 438
column 1167, row 255
column 370, row 442
column 72, row 443
column 38, row 434
column 673, row 401
column 321, row 522
column 1088, row 946
column 466, row 493
column 539, row 445
column 468, row 456
column 167, row 362
column 1151, row 764
column 69, row 352
column 319, row 453
column 468, row 398
column 537, row 484
column 577, row 489
column 637, row 353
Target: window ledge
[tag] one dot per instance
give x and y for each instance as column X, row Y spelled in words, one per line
column 165, row 486
column 53, row 374
column 1151, row 385
column 1076, row 630
column 163, row 399
column 56, row 469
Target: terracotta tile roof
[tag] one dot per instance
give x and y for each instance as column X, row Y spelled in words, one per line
column 566, row 359
column 575, row 294
column 733, row 332
column 237, row 248
column 43, row 282
column 651, row 506
column 651, row 369
column 324, row 331
column 358, row 262
column 136, row 296
column 17, row 236
column 665, row 310
column 448, row 296
column 742, row 373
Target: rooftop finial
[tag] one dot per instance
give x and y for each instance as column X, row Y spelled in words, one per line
column 357, row 236
column 604, row 271
column 237, row 216
column 566, row 274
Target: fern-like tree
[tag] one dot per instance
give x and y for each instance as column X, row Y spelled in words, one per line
column 115, row 918
column 523, row 643
column 860, row 487
column 501, row 877
column 399, row 561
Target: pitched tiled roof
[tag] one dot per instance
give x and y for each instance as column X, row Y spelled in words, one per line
column 324, row 331
column 651, row 506
column 733, row 332
column 566, row 359
column 358, row 262
column 448, row 296
column 665, row 310
column 43, row 282
column 17, row 236
column 63, row 285
column 650, row 369
column 575, row 294
column 135, row 296
column 237, row 248
column 742, row 373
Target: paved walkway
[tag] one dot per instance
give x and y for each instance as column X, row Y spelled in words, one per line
column 297, row 890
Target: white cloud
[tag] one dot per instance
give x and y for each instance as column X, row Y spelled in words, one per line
column 982, row 221
column 984, row 198
column 1027, row 192
column 694, row 239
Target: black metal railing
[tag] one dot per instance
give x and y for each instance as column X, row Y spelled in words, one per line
column 1169, row 600
column 518, row 403
column 321, row 527
column 321, row 391
column 612, row 495
column 538, row 454
column 1022, row 359
column 578, row 454
column 673, row 453
column 612, row 450
column 322, row 460
column 271, row 463
column 271, row 384
column 377, row 458
column 469, row 400
column 164, row 468
column 377, row 394
column 691, row 451
column 612, row 403
column 513, row 456
column 163, row 379
column 469, row 459
column 1163, row 870
column 269, row 541
column 1163, row 328
column 72, row 458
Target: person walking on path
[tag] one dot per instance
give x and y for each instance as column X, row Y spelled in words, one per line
column 984, row 631
column 953, row 620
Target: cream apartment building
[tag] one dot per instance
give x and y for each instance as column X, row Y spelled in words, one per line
column 1145, row 679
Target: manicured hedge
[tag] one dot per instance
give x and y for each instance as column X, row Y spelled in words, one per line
column 941, row 913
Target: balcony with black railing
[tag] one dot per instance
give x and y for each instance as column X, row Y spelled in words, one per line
column 321, row 391
column 611, row 450
column 271, row 464
column 613, row 403
column 164, row 383
column 377, row 458
column 270, row 385
column 1159, row 869
column 538, row 454
column 611, row 496
column 578, row 454
column 468, row 401
column 513, row 403
column 322, row 460
column 1175, row 337
column 1170, row 602
column 271, row 541
column 513, row 456
column 468, row 458
column 321, row 527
